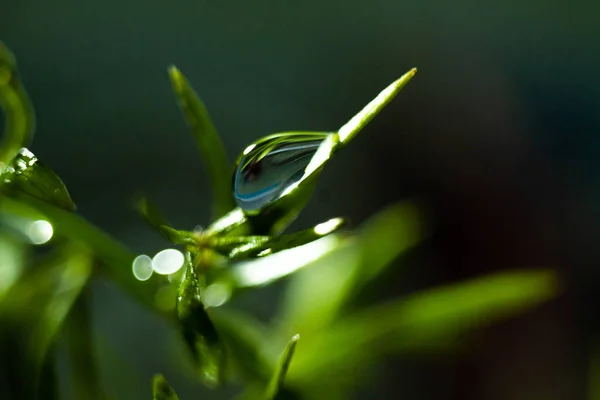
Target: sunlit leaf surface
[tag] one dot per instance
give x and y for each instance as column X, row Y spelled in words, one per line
column 428, row 319
column 364, row 116
column 264, row 270
column 276, row 383
column 316, row 294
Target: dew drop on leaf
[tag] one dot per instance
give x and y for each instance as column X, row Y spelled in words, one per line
column 268, row 167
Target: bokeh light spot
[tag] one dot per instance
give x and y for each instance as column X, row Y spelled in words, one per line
column 142, row 267
column 216, row 294
column 167, row 261
column 40, row 232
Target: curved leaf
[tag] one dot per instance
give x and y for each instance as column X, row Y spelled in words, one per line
column 16, row 106
column 27, row 174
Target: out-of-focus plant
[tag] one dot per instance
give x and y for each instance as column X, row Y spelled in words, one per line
column 44, row 294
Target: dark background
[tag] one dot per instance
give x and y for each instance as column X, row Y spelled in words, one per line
column 497, row 135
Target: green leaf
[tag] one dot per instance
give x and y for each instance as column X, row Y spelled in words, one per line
column 17, row 109
column 242, row 247
column 277, row 381
column 208, row 141
column 154, row 217
column 265, row 270
column 35, row 308
column 231, row 224
column 351, row 128
column 316, row 295
column 13, row 256
column 80, row 347
column 244, row 337
column 27, row 174
column 161, row 390
column 429, row 319
column 116, row 259
column 198, row 330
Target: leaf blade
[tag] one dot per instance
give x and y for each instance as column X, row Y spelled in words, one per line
column 351, row 128
column 161, row 390
column 277, row 380
column 421, row 320
column 17, row 108
column 208, row 142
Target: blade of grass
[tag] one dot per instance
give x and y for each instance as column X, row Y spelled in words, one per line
column 208, row 142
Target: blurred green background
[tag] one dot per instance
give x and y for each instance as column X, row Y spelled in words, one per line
column 496, row 137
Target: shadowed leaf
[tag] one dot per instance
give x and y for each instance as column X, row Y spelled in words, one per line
column 36, row 307
column 27, row 174
column 161, row 390
column 81, row 351
column 208, row 141
column 198, row 330
column 116, row 259
column 149, row 211
column 16, row 107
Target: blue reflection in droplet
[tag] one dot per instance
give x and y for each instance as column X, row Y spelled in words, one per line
column 271, row 165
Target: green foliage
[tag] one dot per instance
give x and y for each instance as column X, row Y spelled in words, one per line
column 276, row 384
column 161, row 389
column 208, row 141
column 43, row 296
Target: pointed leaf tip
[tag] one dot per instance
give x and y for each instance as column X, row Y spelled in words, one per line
column 207, row 139
column 364, row 116
column 161, row 390
column 177, row 78
column 276, row 383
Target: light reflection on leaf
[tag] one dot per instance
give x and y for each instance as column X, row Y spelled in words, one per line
column 430, row 318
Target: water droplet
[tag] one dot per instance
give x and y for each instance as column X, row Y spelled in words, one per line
column 270, row 166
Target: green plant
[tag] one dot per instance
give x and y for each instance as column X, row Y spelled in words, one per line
column 46, row 295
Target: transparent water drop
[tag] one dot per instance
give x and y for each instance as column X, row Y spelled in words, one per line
column 271, row 165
